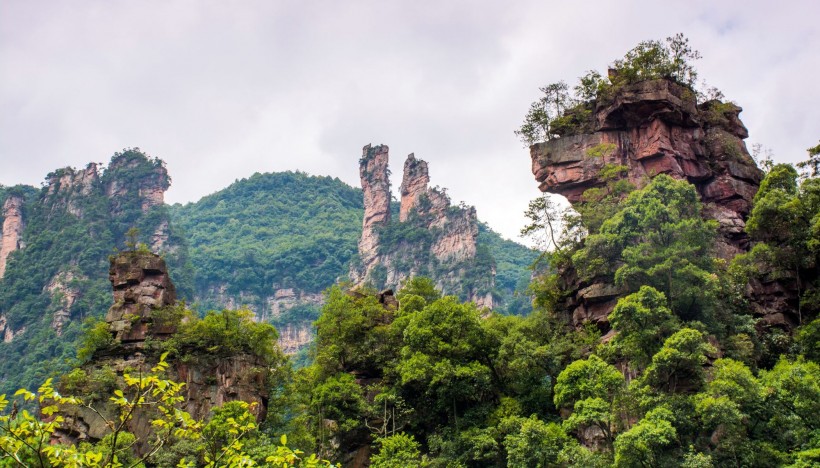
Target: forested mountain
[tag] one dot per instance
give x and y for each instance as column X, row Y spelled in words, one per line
column 275, row 242
column 271, row 242
column 676, row 324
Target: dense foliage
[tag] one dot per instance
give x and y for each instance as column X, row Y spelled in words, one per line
column 282, row 230
column 686, row 379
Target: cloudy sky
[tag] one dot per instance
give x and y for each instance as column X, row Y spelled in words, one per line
column 223, row 89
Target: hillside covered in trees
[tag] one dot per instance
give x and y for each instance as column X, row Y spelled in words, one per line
column 674, row 322
column 272, row 243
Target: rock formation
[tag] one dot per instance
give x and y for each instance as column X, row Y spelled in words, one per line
column 150, row 186
column 141, row 284
column 375, row 176
column 432, row 237
column 11, row 237
column 6, row 330
column 654, row 127
column 413, row 185
column 67, row 188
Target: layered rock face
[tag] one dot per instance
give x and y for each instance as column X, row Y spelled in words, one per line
column 413, row 185
column 443, row 238
column 11, row 237
column 141, row 284
column 150, row 186
column 64, row 292
column 654, row 127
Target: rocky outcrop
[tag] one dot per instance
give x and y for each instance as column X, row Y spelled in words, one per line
column 11, row 237
column 150, row 185
column 67, row 188
column 431, row 238
column 64, row 292
column 295, row 336
column 653, row 127
column 141, row 285
column 7, row 332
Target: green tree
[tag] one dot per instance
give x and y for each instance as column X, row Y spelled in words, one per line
column 537, row 123
column 587, row 378
column 792, row 391
column 785, row 222
column 353, row 333
column 658, row 238
column 534, row 444
column 645, row 443
column 591, row 387
column 447, row 359
column 397, row 451
column 642, row 321
column 678, row 366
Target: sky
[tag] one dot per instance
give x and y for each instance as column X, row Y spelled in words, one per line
column 223, row 89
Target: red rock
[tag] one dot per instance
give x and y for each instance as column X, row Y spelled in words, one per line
column 655, row 128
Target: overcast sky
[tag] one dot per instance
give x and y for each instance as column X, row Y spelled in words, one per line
column 223, row 89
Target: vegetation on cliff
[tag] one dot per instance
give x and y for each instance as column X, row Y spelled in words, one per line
column 561, row 111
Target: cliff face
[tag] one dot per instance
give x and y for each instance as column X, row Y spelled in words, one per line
column 654, row 127
column 291, row 310
column 66, row 188
column 413, row 185
column 65, row 291
column 432, row 237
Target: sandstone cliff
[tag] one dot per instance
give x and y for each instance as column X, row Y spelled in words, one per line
column 431, row 238
column 375, row 177
column 654, row 127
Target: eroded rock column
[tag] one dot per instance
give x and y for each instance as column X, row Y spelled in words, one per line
column 374, row 174
column 12, row 235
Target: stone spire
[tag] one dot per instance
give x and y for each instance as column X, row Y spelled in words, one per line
column 11, row 238
column 375, row 176
column 414, row 184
